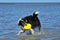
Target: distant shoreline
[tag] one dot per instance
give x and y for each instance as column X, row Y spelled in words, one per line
column 27, row 3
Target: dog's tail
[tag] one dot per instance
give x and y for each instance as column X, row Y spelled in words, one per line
column 35, row 13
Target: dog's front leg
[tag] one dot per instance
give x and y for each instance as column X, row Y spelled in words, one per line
column 32, row 31
column 21, row 31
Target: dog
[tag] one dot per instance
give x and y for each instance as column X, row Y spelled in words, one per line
column 33, row 22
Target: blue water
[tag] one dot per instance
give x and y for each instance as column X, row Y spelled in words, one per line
column 11, row 12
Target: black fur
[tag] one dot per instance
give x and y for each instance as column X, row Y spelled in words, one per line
column 33, row 19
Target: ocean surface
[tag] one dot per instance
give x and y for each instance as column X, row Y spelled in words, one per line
column 49, row 16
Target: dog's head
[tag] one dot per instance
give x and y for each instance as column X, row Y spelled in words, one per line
column 21, row 22
column 25, row 25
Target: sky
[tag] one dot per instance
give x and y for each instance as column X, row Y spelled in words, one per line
column 28, row 1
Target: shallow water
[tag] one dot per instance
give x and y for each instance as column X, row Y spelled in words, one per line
column 42, row 36
column 49, row 16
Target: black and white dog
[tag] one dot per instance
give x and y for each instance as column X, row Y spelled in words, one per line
column 33, row 20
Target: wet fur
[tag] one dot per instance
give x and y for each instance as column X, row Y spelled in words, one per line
column 32, row 19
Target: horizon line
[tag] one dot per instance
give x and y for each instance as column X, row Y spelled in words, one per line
column 29, row 2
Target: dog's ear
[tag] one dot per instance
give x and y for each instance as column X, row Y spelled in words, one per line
column 19, row 22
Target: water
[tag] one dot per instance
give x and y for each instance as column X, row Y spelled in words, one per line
column 49, row 16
